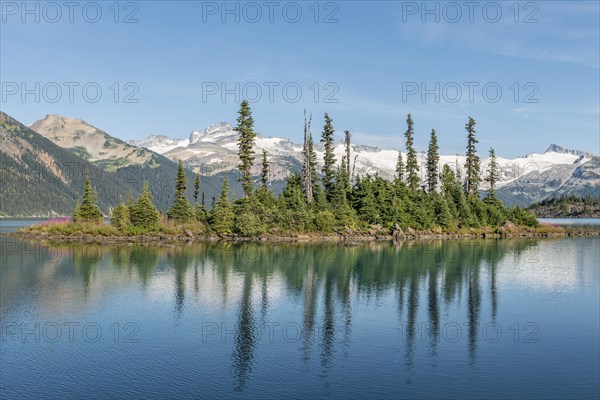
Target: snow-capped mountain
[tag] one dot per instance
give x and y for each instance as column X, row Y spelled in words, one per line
column 523, row 180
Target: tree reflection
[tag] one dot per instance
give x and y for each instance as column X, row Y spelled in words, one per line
column 423, row 280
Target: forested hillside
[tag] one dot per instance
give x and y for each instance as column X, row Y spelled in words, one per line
column 39, row 178
column 567, row 207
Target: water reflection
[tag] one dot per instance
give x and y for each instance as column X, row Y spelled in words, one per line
column 323, row 288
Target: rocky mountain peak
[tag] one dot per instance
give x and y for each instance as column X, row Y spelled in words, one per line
column 554, row 148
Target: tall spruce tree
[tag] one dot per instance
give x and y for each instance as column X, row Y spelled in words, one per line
column 447, row 178
column 493, row 173
column 400, row 167
column 472, row 165
column 433, row 160
column 264, row 174
column 143, row 213
column 412, row 166
column 307, row 165
column 181, row 209
column 196, row 187
column 87, row 210
column 246, row 136
column 223, row 217
column 329, row 171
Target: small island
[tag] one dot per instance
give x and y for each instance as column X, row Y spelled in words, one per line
column 567, row 207
column 327, row 205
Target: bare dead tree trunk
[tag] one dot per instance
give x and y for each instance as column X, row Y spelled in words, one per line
column 307, row 169
column 347, row 145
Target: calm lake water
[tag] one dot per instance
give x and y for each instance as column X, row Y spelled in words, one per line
column 457, row 319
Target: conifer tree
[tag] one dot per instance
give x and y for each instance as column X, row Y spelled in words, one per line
column 339, row 202
column 181, row 209
column 447, row 179
column 328, row 170
column 246, row 136
column 433, row 159
column 196, row 187
column 472, row 165
column 493, row 173
column 120, row 217
column 400, row 167
column 412, row 166
column 87, row 210
column 442, row 212
column 223, row 217
column 143, row 213
column 264, row 175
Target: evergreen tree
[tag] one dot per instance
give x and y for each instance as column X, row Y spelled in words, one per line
column 433, row 159
column 246, row 136
column 444, row 217
column 294, row 212
column 196, row 187
column 181, row 209
column 223, row 217
column 493, row 173
column 264, row 175
column 119, row 217
column 400, row 167
column 87, row 210
column 412, row 166
column 328, row 170
column 447, row 179
column 463, row 210
column 472, row 165
column 143, row 213
column 342, row 210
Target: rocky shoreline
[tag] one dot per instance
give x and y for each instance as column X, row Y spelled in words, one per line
column 170, row 240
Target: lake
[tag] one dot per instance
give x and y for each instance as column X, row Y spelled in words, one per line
column 469, row 319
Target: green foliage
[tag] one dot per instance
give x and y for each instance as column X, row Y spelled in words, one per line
column 400, row 167
column 181, row 209
column 264, row 174
column 329, row 172
column 567, row 207
column 88, row 210
column 493, row 174
column 120, row 217
column 325, row 221
column 444, row 217
column 223, row 218
column 143, row 213
column 522, row 217
column 472, row 165
column 247, row 220
column 433, row 160
column 412, row 166
column 246, row 136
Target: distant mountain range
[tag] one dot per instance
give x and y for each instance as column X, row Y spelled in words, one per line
column 42, row 165
column 523, row 180
column 43, row 172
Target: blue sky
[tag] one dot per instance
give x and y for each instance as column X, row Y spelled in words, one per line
column 370, row 61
